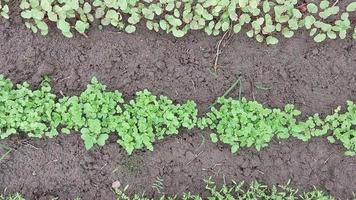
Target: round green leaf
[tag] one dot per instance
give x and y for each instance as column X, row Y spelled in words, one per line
column 130, row 29
column 214, row 138
column 46, row 5
column 271, row 40
column 351, row 7
column 320, row 37
column 81, row 26
column 324, row 4
column 86, row 8
column 178, row 33
column 312, row 8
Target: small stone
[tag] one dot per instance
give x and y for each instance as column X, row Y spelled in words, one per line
column 82, row 58
column 115, row 185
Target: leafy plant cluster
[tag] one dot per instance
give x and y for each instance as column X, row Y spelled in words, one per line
column 243, row 123
column 16, row 196
column 235, row 191
column 240, row 191
column 95, row 113
column 263, row 19
column 138, row 123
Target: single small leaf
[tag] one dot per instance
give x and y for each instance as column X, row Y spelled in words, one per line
column 130, row 29
column 271, row 40
column 351, row 7
column 312, row 8
column 81, row 26
column 320, row 37
column 102, row 138
column 214, row 138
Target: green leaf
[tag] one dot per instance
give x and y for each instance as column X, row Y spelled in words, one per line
column 313, row 31
column 81, row 26
column 324, row 4
column 26, row 14
column 243, row 3
column 234, row 148
column 350, row 153
column 63, row 25
column 134, row 19
column 34, row 3
column 266, row 6
column 86, row 8
column 42, row 26
column 74, row 4
column 36, row 14
column 178, row 33
column 287, row 33
column 351, row 7
column 331, row 34
column 24, row 5
column 130, row 29
column 237, row 28
column 331, row 139
column 259, row 38
column 112, row 14
column 102, row 138
column 320, row 37
column 309, row 21
column 52, row 16
column 249, row 33
column 65, row 131
column 163, row 24
column 296, row 13
column 271, row 40
column 214, row 138
column 312, row 8
column 46, row 5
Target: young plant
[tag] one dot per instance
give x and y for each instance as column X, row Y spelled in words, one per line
column 146, row 119
column 68, row 15
column 241, row 191
column 92, row 113
column 247, row 123
column 24, row 110
column 263, row 19
column 97, row 113
column 4, row 9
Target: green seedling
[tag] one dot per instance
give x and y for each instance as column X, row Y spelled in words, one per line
column 263, row 19
column 140, row 122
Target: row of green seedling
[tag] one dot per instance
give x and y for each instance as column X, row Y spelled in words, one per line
column 233, row 191
column 262, row 19
column 138, row 123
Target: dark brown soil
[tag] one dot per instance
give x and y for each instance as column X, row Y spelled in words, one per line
column 314, row 77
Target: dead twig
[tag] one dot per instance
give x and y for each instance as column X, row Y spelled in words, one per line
column 196, row 156
column 238, row 80
column 218, row 47
column 336, row 2
column 5, row 154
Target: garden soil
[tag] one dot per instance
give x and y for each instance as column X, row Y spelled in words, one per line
column 314, row 77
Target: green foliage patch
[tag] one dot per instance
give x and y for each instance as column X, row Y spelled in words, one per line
column 264, row 20
column 243, row 123
column 138, row 123
column 235, row 191
column 95, row 113
column 16, row 196
column 240, row 191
